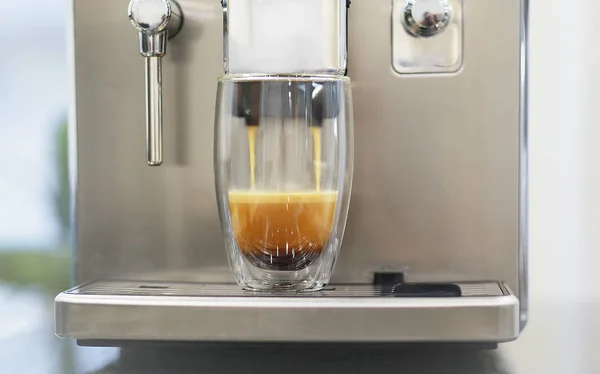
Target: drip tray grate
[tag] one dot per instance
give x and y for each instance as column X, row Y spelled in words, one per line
column 130, row 288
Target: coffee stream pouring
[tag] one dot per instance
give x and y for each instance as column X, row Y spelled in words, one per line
column 310, row 99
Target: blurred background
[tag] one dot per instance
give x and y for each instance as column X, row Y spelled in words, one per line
column 34, row 191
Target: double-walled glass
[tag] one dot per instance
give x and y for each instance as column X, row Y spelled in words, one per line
column 283, row 167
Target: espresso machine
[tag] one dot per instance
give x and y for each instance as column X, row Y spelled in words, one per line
column 435, row 241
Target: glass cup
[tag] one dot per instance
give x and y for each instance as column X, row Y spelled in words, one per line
column 283, row 168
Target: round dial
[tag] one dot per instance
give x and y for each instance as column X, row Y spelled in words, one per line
column 150, row 16
column 425, row 18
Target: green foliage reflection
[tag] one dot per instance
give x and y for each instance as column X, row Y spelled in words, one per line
column 46, row 268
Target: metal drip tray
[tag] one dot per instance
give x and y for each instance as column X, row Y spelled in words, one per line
column 128, row 310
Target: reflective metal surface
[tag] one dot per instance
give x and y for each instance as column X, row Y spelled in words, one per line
column 128, row 288
column 437, row 189
column 428, row 36
column 523, row 261
column 154, row 123
column 152, row 17
column 156, row 21
column 204, row 312
column 425, row 18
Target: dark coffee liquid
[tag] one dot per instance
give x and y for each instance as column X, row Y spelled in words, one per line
column 280, row 230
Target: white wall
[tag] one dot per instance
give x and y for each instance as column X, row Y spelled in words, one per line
column 564, row 138
column 592, row 152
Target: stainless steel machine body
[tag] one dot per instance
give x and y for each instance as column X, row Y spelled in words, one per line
column 439, row 193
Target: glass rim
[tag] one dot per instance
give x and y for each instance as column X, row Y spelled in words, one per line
column 283, row 78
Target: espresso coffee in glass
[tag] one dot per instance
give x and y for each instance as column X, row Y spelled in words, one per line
column 283, row 165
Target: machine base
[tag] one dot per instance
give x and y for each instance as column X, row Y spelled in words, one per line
column 149, row 345
column 129, row 311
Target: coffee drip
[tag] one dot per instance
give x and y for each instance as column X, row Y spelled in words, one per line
column 316, row 137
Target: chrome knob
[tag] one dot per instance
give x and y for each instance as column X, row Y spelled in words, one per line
column 156, row 22
column 425, row 18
